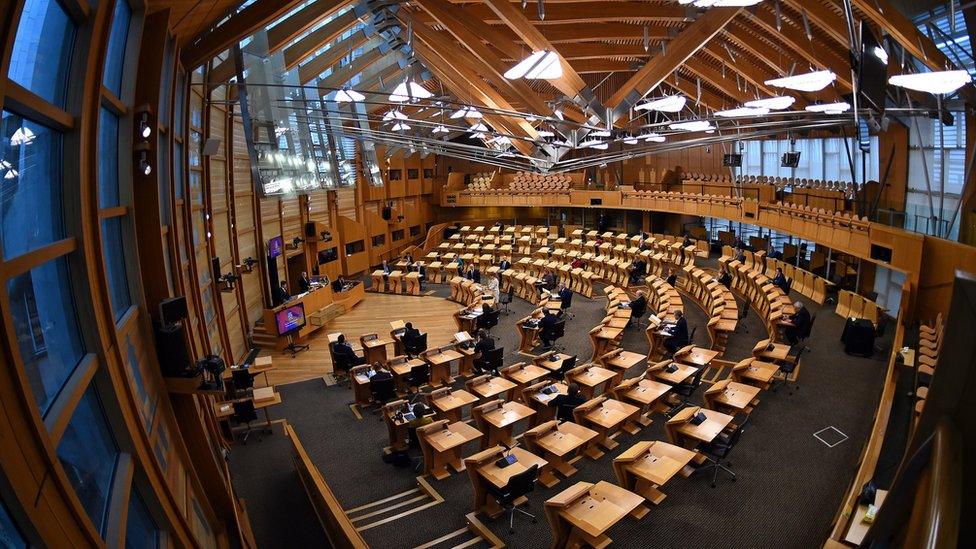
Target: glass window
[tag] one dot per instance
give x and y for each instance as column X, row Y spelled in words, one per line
column 115, row 53
column 43, row 313
column 178, row 169
column 146, row 403
column 141, row 531
column 114, row 250
column 88, row 453
column 30, row 167
column 108, row 159
column 10, row 536
column 41, row 54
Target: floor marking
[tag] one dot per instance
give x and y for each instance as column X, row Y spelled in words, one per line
column 835, row 434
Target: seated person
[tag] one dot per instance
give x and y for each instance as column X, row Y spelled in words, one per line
column 549, row 280
column 565, row 294
column 304, row 284
column 493, row 286
column 386, row 268
column 486, row 308
column 679, row 333
column 779, row 280
column 564, row 404
column 504, row 264
column 379, row 373
column 638, row 306
column 670, row 278
column 343, row 351
column 801, row 323
column 688, row 241
column 484, row 344
column 546, row 327
column 725, row 279
column 409, row 336
column 409, row 259
column 460, row 264
column 281, row 294
column 739, row 255
column 577, row 263
column 422, row 415
column 339, row 284
column 638, row 270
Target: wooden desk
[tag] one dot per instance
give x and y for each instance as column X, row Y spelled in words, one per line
column 263, row 398
column 698, row 356
column 682, row 373
column 620, row 361
column 731, row 397
column 528, row 334
column 396, row 282
column 359, row 380
column 591, row 379
column 498, row 419
column 441, row 442
column 858, row 528
column 523, row 375
column 378, row 281
column 451, row 402
column 648, row 465
column 551, row 360
column 440, row 365
column 400, row 366
column 539, row 401
column 412, row 280
column 583, row 513
column 561, row 444
column 606, row 417
column 602, row 337
column 397, row 428
column 374, row 347
column 644, row 393
column 483, row 471
column 488, row 387
column 778, row 352
column 262, row 365
column 754, row 372
column 681, row 430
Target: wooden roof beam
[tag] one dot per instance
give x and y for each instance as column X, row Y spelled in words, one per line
column 318, row 64
column 206, row 45
column 302, row 20
column 679, row 50
column 317, row 39
column 585, row 13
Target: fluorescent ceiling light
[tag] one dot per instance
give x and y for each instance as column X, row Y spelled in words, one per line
column 940, row 82
column 10, row 174
column 743, row 111
column 830, row 108
column 653, row 138
column 601, row 133
column 440, row 129
column 348, row 96
column 589, row 143
column 546, row 133
column 881, row 54
column 478, row 135
column 600, row 146
column 541, row 65
column 400, row 127
column 806, row 82
column 772, row 103
column 720, row 3
column 408, row 91
column 692, row 125
column 502, row 140
column 394, row 114
column 671, row 103
column 479, row 127
column 22, row 136
column 466, row 112
column 630, row 141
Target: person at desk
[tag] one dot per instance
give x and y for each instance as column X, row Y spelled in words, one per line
column 725, row 279
column 386, row 268
column 486, row 308
column 780, row 281
column 379, row 373
column 564, row 293
column 304, row 284
column 409, row 259
column 343, row 349
column 564, row 404
column 739, row 255
column 670, row 277
column 800, row 324
column 638, row 306
column 638, row 270
column 504, row 264
column 281, row 294
column 473, row 274
column 410, row 335
column 687, row 242
column 546, row 327
column 679, row 333
column 338, row 284
column 422, row 416
column 577, row 263
column 549, row 280
column 485, row 343
column 460, row 264
column 493, row 286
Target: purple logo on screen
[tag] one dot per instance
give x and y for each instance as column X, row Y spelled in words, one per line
column 274, row 246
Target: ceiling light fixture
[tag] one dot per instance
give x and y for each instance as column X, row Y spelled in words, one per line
column 541, row 65
column 479, row 127
column 830, row 108
column 589, row 143
column 440, row 129
column 671, row 103
column 395, row 114
column 546, row 133
column 939, row 82
column 631, row 140
column 478, row 135
column 22, row 136
column 720, row 3
column 742, row 111
column 692, row 125
column 408, row 91
column 601, row 133
column 466, row 112
column 653, row 138
column 806, row 82
column 145, row 130
column 348, row 96
column 777, row 103
column 600, row 146
column 400, row 127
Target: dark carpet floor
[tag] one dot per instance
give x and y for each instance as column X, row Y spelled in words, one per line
column 789, row 485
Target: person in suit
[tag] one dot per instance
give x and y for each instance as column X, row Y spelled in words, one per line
column 602, row 223
column 638, row 306
column 410, row 335
column 546, row 326
column 549, row 280
column 565, row 294
column 564, row 404
column 343, row 351
column 739, row 255
column 379, row 373
column 670, row 278
column 687, row 242
column 486, row 308
column 725, row 279
column 801, row 323
column 304, row 284
column 386, row 268
column 409, row 259
column 679, row 333
column 779, row 280
column 281, row 294
column 504, row 264
column 638, row 270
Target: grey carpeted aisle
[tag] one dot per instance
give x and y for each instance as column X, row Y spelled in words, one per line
column 788, row 489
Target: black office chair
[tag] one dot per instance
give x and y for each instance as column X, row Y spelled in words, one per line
column 518, row 486
column 787, row 368
column 417, row 346
column 383, row 391
column 717, row 452
column 413, row 443
column 340, row 367
column 691, row 336
column 419, row 376
column 487, row 321
column 558, row 331
column 244, row 414
column 242, row 380
column 637, row 313
column 806, row 334
column 493, row 360
column 506, row 298
column 566, row 304
column 567, row 365
column 686, row 389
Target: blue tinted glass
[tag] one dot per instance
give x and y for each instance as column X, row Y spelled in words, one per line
column 30, row 172
column 108, row 159
column 88, row 453
column 44, row 319
column 146, row 404
column 140, row 528
column 178, row 170
column 10, row 536
column 114, row 251
column 42, row 50
column 115, row 54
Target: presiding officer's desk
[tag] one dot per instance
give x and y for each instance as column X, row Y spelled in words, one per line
column 318, row 302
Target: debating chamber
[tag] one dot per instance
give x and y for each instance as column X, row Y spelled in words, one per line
column 446, row 274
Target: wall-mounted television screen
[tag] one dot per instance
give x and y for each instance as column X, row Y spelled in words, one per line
column 274, row 246
column 290, row 318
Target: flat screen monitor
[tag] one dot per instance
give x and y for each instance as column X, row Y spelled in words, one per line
column 791, row 159
column 290, row 319
column 274, row 246
column 732, row 160
column 872, row 71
